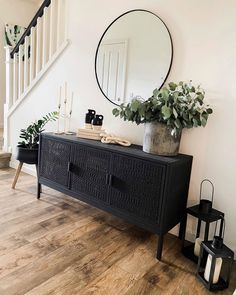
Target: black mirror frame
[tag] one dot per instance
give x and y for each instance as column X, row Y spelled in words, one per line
column 96, row 55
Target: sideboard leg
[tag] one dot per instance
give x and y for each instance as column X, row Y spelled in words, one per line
column 39, row 187
column 160, row 246
column 38, row 190
column 182, row 227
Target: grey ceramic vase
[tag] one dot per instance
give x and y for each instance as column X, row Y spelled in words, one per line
column 158, row 140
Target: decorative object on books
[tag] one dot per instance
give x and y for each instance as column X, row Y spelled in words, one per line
column 202, row 213
column 110, row 138
column 92, row 127
column 65, row 111
column 214, row 272
column 172, row 108
column 27, row 149
column 89, row 118
column 97, row 122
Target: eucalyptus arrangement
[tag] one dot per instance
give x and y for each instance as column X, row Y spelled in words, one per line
column 177, row 106
column 30, row 135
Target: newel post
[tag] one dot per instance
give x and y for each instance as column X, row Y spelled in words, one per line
column 9, row 93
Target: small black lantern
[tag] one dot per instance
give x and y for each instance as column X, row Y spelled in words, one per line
column 204, row 212
column 215, row 262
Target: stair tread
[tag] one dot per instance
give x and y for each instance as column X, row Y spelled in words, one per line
column 4, row 155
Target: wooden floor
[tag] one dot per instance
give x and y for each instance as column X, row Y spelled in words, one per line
column 61, row 246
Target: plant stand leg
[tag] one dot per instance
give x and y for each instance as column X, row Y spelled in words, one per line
column 18, row 170
column 39, row 186
column 160, row 246
column 182, row 227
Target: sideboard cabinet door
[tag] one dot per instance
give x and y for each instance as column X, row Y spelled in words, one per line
column 136, row 187
column 54, row 159
column 89, row 172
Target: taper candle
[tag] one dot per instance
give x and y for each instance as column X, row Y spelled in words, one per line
column 71, row 102
column 60, row 94
column 197, row 246
column 216, row 271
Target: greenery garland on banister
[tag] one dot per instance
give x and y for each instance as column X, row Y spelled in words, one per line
column 178, row 106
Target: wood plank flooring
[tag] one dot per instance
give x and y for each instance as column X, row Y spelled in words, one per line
column 61, row 246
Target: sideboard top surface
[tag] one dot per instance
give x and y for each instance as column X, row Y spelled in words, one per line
column 133, row 150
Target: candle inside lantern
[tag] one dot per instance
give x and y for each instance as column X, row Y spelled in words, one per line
column 216, row 270
column 197, row 246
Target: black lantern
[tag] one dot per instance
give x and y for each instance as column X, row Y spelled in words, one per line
column 215, row 263
column 204, row 213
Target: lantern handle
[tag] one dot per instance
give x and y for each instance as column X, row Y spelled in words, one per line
column 212, row 186
column 222, row 235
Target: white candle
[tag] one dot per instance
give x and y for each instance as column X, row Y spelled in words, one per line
column 71, row 102
column 65, row 91
column 197, row 246
column 217, row 269
column 60, row 94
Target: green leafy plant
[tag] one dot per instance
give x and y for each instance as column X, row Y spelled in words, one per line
column 30, row 135
column 178, row 106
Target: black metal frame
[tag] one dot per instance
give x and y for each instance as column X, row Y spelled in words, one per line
column 169, row 188
column 213, row 216
column 226, row 254
column 33, row 23
column 130, row 11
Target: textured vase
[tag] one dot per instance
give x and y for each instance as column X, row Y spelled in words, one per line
column 158, row 140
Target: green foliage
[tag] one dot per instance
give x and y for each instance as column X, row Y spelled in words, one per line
column 178, row 106
column 30, row 135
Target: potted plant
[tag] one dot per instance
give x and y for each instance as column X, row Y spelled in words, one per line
column 27, row 149
column 166, row 114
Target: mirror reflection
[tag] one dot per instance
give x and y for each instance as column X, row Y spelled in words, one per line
column 133, row 57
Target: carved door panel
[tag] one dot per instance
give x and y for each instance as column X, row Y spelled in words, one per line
column 89, row 172
column 54, row 159
column 136, row 187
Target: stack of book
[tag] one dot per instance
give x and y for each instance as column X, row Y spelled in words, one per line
column 90, row 133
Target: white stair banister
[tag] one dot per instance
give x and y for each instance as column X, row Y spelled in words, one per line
column 9, row 76
column 32, row 53
column 15, row 78
column 53, row 31
column 38, row 48
column 26, row 62
column 21, row 71
column 45, row 35
column 60, row 20
column 38, row 45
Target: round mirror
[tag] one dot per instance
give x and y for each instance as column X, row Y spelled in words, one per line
column 133, row 57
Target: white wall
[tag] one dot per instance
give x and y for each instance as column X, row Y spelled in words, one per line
column 16, row 12
column 204, row 41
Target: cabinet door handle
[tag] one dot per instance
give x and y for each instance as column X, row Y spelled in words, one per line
column 69, row 166
column 110, row 180
column 107, row 179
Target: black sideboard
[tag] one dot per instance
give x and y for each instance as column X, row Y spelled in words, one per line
column 146, row 190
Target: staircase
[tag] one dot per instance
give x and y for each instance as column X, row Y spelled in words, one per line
column 39, row 47
column 4, row 156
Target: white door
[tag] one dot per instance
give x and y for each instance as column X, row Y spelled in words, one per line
column 111, row 68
